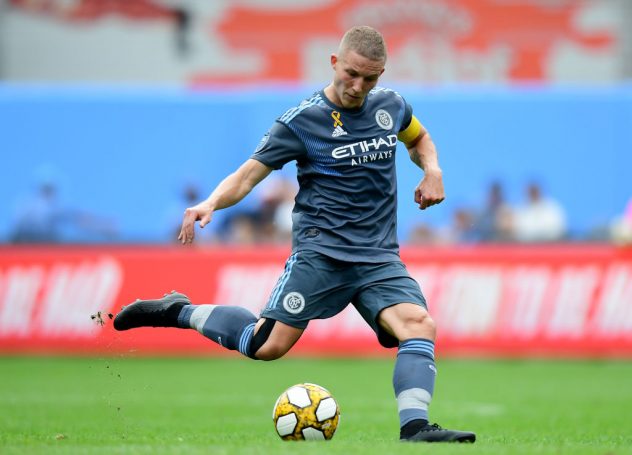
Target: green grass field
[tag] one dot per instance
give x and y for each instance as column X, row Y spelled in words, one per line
column 223, row 406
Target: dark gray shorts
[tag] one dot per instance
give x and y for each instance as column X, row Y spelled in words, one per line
column 315, row 286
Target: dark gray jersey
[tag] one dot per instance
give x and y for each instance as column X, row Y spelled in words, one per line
column 346, row 207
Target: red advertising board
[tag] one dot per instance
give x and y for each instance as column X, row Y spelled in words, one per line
column 488, row 300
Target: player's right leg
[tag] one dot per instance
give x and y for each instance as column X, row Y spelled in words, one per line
column 232, row 327
column 312, row 286
column 273, row 339
column 237, row 329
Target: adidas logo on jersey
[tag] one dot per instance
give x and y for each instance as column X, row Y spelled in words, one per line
column 338, row 131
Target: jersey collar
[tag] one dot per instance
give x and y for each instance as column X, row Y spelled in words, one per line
column 359, row 110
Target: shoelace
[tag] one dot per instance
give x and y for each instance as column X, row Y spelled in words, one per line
column 433, row 427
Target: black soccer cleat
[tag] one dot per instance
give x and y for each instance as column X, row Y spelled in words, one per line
column 152, row 313
column 434, row 433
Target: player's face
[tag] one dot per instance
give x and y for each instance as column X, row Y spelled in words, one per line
column 354, row 77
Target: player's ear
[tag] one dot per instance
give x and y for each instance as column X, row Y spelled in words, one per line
column 333, row 59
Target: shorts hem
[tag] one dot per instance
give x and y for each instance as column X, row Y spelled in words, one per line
column 293, row 324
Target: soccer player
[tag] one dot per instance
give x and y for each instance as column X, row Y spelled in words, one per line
column 344, row 243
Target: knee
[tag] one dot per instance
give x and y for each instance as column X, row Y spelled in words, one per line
column 273, row 339
column 418, row 325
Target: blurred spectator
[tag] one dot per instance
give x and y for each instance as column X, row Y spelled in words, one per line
column 494, row 223
column 275, row 212
column 621, row 228
column 540, row 219
column 39, row 219
column 43, row 219
column 268, row 220
column 422, row 234
column 461, row 230
column 241, row 230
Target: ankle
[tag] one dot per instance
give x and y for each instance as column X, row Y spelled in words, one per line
column 184, row 316
column 411, row 428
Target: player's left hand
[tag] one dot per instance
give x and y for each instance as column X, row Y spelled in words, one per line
column 429, row 191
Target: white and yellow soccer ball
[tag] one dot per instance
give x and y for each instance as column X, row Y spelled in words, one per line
column 306, row 412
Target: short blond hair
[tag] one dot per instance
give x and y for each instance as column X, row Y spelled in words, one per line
column 364, row 40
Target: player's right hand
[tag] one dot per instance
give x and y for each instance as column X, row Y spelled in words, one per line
column 201, row 213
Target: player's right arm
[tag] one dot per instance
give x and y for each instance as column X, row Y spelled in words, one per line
column 229, row 192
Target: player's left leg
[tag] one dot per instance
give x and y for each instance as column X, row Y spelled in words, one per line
column 415, row 372
column 384, row 290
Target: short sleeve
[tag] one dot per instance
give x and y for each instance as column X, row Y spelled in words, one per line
column 408, row 116
column 278, row 146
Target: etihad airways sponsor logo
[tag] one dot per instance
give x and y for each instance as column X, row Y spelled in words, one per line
column 372, row 145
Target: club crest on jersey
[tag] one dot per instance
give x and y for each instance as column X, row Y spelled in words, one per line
column 384, row 119
column 338, row 130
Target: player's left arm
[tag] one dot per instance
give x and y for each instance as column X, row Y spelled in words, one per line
column 423, row 153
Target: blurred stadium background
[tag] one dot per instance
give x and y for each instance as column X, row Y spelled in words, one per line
column 116, row 114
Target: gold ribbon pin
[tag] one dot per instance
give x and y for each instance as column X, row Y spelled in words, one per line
column 336, row 116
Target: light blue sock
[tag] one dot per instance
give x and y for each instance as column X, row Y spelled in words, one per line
column 229, row 326
column 414, row 378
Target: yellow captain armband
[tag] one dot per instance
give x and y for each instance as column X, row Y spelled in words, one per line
column 410, row 134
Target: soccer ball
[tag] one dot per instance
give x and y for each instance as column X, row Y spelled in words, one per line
column 306, row 412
